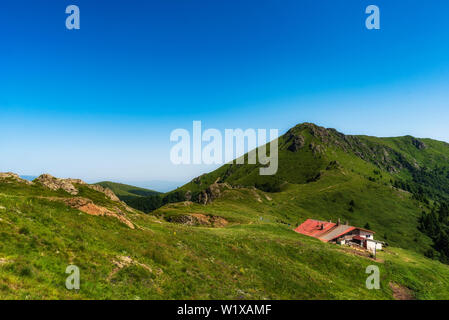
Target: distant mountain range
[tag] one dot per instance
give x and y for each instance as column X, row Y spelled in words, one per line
column 159, row 185
column 125, row 190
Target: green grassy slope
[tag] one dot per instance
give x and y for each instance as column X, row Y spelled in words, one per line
column 253, row 259
column 324, row 174
column 124, row 190
column 307, row 149
column 392, row 213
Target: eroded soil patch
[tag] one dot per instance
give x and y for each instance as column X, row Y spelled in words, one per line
column 401, row 292
column 87, row 206
column 198, row 219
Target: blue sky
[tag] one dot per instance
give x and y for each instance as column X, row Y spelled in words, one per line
column 100, row 102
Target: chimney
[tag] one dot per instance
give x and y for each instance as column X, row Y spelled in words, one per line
column 347, row 222
column 338, row 222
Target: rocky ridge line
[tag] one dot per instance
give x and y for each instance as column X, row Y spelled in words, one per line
column 68, row 185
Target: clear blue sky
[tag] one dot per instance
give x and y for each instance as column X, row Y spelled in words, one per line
column 100, row 102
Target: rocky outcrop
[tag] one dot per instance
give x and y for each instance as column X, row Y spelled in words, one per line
column 188, row 195
column 108, row 192
column 295, row 141
column 55, row 184
column 9, row 176
column 197, row 180
column 380, row 155
column 124, row 262
column 333, row 165
column 211, row 193
column 317, row 149
column 418, row 144
column 68, row 185
column 198, row 219
column 318, row 132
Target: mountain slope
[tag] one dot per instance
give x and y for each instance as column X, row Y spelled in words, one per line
column 307, row 149
column 125, row 190
column 41, row 235
column 232, row 237
column 324, row 174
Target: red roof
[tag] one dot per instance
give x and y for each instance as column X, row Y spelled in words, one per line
column 325, row 231
column 315, row 228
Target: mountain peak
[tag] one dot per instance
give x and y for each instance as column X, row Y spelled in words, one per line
column 312, row 135
column 309, row 126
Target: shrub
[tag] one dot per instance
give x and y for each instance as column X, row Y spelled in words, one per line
column 24, row 231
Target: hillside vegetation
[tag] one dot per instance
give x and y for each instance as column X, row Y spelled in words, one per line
column 142, row 199
column 389, row 183
column 125, row 190
column 261, row 259
column 229, row 234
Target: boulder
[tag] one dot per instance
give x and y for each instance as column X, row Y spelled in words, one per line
column 418, row 144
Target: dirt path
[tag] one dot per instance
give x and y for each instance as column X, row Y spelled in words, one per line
column 401, row 292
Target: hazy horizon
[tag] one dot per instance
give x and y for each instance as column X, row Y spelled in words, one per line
column 100, row 103
column 156, row 185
